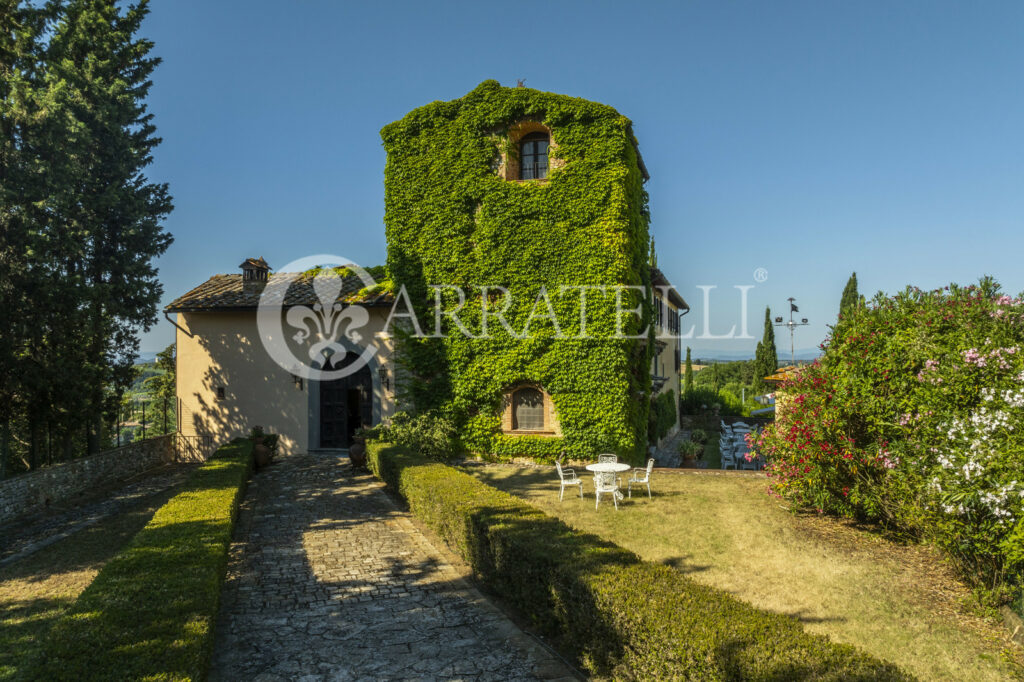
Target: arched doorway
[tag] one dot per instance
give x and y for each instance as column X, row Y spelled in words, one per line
column 346, row 403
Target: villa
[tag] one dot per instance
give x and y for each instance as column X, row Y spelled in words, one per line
column 530, row 207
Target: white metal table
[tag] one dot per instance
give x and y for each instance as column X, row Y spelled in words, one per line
column 608, row 467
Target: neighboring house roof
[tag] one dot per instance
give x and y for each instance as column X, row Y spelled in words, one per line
column 658, row 279
column 781, row 375
column 229, row 292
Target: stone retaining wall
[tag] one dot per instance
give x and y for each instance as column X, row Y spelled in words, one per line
column 28, row 492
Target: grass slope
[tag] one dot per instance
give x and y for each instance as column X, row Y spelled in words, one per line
column 149, row 613
column 897, row 602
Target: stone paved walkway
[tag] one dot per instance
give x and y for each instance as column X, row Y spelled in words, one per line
column 329, row 580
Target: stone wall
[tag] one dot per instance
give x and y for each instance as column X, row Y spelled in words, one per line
column 37, row 489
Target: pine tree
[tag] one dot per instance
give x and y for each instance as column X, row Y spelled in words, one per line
column 688, row 376
column 766, row 359
column 851, row 299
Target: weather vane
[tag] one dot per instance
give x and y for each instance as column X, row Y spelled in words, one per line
column 792, row 324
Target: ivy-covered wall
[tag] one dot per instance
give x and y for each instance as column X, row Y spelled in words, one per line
column 452, row 220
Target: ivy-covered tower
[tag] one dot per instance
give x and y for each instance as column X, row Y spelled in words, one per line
column 525, row 203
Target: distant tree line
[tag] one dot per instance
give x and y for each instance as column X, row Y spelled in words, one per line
column 80, row 223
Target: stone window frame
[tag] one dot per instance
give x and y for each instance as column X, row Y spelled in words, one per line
column 552, row 427
column 508, row 164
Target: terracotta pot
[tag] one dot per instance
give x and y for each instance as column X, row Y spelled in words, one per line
column 357, row 453
column 261, row 454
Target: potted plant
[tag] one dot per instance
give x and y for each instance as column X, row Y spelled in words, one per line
column 261, row 450
column 357, row 451
column 690, row 450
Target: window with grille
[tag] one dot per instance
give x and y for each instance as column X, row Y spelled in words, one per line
column 528, row 410
column 533, row 157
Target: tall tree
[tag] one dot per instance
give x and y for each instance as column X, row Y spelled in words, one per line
column 23, row 192
column 766, row 358
column 851, row 299
column 688, row 377
column 102, row 71
column 79, row 222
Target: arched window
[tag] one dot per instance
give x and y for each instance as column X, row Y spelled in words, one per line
column 533, row 156
column 528, row 410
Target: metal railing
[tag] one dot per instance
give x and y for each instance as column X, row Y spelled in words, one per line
column 192, row 448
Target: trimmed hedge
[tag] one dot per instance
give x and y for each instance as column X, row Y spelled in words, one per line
column 149, row 613
column 615, row 614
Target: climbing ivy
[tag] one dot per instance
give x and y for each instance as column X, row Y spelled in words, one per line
column 452, row 220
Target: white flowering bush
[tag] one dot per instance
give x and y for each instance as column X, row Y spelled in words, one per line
column 914, row 418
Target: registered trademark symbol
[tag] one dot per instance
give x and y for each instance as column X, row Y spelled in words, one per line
column 760, row 275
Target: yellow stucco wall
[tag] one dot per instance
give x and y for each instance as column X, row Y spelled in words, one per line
column 225, row 350
column 666, row 366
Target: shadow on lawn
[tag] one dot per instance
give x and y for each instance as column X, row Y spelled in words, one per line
column 536, row 483
column 679, row 563
column 802, row 616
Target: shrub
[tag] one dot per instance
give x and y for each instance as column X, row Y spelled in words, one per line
column 615, row 614
column 699, row 436
column 697, row 400
column 150, row 611
column 908, row 420
column 539, row 448
column 662, row 416
column 690, row 448
column 429, row 433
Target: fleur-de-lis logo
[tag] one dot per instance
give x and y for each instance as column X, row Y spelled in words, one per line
column 301, row 336
column 321, row 325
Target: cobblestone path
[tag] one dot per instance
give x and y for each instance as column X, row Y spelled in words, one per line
column 22, row 537
column 329, row 580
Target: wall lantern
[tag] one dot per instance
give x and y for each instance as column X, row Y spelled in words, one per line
column 382, row 372
column 297, row 380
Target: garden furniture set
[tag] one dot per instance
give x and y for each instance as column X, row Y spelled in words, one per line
column 735, row 448
column 606, row 479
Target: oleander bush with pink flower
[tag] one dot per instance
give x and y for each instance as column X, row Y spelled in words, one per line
column 914, row 419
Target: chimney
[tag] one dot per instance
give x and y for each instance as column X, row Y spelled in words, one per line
column 255, row 273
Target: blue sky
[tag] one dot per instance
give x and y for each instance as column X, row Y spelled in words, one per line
column 810, row 139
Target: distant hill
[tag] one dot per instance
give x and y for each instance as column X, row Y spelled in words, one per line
column 145, row 358
column 704, row 357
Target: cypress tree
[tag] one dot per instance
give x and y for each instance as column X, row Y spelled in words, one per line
column 850, row 298
column 766, row 359
column 22, row 204
column 688, row 376
column 102, row 71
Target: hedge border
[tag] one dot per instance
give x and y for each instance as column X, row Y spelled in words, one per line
column 615, row 614
column 150, row 612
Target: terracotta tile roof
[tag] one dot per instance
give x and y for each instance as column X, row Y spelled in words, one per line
column 659, row 279
column 783, row 374
column 226, row 292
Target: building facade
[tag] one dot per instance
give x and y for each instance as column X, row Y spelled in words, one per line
column 518, row 253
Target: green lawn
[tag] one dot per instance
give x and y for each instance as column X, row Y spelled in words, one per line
column 895, row 601
column 36, row 591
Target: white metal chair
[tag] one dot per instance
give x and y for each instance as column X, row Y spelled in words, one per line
column 641, row 475
column 729, row 458
column 610, row 459
column 567, row 477
column 606, row 483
